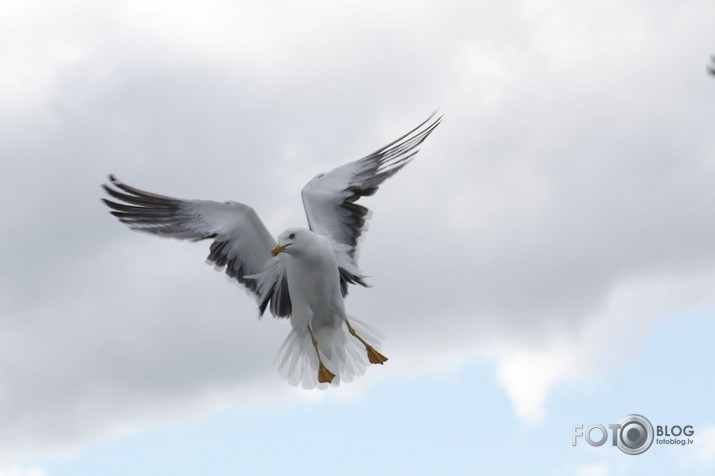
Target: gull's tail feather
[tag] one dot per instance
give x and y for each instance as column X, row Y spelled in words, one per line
column 342, row 354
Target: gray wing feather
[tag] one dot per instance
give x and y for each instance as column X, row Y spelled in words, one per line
column 330, row 199
column 242, row 244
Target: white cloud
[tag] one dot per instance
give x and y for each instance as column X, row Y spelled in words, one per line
column 600, row 343
column 527, row 377
column 22, row 471
column 704, row 447
column 699, row 458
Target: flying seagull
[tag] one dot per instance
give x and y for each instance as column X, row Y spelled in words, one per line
column 305, row 273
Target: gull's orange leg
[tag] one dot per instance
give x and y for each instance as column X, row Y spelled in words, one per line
column 324, row 375
column 372, row 355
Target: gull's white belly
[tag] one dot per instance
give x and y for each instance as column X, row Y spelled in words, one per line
column 314, row 286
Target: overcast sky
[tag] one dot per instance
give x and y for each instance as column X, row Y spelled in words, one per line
column 555, row 235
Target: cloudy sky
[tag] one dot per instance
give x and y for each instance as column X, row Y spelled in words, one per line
column 547, row 260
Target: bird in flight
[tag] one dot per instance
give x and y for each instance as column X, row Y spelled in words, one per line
column 305, row 273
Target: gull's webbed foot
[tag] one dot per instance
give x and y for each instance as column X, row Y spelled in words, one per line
column 325, row 375
column 374, row 356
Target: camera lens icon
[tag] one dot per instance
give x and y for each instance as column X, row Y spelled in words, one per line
column 635, row 434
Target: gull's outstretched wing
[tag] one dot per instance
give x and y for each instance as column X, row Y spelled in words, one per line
column 329, row 199
column 242, row 244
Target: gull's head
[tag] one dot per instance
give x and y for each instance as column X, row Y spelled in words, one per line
column 291, row 241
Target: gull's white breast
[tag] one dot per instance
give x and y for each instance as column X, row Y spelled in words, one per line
column 314, row 286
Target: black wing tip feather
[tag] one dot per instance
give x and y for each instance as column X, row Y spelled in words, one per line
column 400, row 152
column 148, row 212
column 128, row 191
column 140, row 210
column 389, row 159
column 413, row 135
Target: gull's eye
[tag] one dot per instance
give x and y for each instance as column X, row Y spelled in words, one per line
column 291, row 236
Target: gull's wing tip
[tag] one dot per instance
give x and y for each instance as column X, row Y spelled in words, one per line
column 433, row 120
column 428, row 125
column 436, row 116
column 112, row 180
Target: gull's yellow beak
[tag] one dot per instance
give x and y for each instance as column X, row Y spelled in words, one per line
column 278, row 249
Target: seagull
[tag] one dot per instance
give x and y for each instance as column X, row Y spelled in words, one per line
column 305, row 273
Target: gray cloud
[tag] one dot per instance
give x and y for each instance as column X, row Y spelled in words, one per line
column 568, row 170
